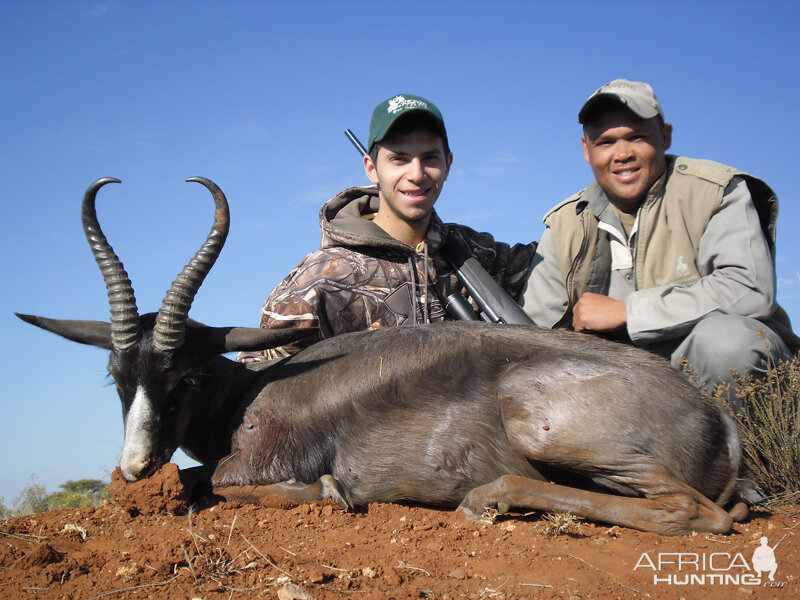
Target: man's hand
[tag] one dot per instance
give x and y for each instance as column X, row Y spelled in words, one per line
column 595, row 312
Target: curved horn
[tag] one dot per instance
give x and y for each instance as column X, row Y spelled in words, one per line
column 124, row 316
column 170, row 326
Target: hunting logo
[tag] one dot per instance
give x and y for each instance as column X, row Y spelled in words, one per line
column 715, row 568
column 764, row 558
column 399, row 103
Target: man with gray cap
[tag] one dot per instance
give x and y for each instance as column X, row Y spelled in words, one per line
column 380, row 262
column 671, row 253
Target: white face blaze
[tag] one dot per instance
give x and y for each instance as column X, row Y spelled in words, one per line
column 138, row 447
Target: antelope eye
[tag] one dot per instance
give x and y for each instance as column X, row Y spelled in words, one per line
column 186, row 382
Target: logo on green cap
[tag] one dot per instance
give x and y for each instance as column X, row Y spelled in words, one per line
column 402, row 103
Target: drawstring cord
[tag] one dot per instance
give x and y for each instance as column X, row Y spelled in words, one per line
column 423, row 291
column 426, row 315
column 413, row 269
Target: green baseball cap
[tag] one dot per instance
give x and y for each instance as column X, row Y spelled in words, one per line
column 636, row 96
column 389, row 111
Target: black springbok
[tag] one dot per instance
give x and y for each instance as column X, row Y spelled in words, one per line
column 458, row 413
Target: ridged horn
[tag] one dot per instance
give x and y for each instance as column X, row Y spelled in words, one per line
column 170, row 329
column 124, row 316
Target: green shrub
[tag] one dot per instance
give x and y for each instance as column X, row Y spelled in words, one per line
column 79, row 494
column 33, row 498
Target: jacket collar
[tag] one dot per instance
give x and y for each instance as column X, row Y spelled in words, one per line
column 346, row 220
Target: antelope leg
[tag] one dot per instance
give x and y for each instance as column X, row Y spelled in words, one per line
column 325, row 488
column 676, row 512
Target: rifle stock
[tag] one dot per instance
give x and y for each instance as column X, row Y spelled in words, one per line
column 493, row 300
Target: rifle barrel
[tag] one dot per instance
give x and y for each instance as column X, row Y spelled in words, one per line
column 352, row 137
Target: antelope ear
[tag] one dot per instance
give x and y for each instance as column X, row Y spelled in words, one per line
column 92, row 333
column 218, row 340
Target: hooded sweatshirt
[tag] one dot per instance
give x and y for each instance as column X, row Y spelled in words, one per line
column 361, row 278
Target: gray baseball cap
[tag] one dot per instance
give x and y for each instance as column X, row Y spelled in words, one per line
column 636, row 96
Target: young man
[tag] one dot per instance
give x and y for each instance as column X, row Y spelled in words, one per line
column 380, row 261
column 672, row 253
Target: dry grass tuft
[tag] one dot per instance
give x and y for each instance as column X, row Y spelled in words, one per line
column 211, row 562
column 558, row 523
column 769, row 424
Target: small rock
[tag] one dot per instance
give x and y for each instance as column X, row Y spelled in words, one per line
column 458, row 573
column 369, row 572
column 290, row 591
column 127, row 571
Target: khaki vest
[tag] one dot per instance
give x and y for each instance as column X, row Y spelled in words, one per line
column 672, row 220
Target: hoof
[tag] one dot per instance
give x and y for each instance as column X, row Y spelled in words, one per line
column 487, row 515
column 332, row 490
column 740, row 512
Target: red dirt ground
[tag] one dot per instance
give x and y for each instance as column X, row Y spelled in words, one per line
column 149, row 544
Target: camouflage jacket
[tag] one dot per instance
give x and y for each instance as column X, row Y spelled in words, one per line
column 362, row 279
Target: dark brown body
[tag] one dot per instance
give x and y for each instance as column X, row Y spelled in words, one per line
column 430, row 413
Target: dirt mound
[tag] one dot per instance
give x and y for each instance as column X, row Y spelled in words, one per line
column 159, row 493
column 150, row 543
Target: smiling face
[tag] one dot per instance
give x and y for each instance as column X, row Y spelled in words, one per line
column 410, row 169
column 627, row 155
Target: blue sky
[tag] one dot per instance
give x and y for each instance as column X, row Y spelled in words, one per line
column 256, row 95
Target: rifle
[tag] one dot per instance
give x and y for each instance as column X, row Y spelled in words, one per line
column 495, row 303
column 779, row 541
